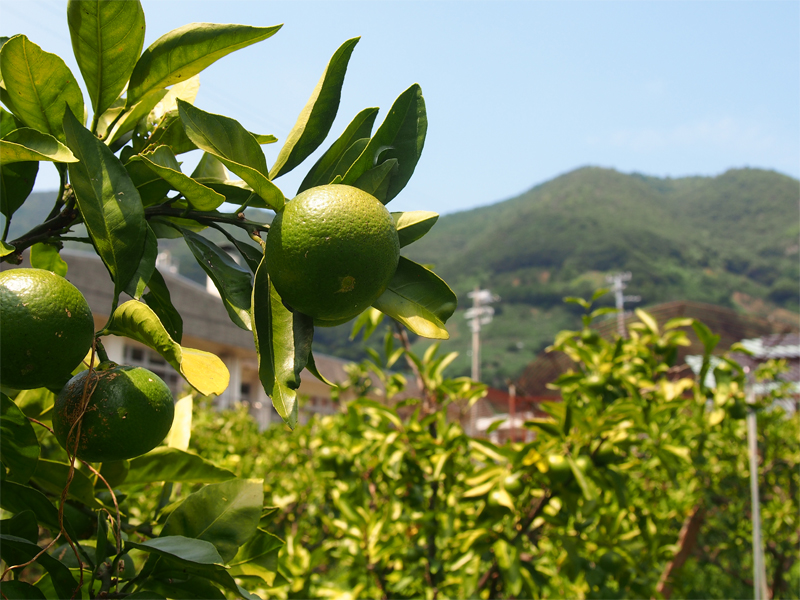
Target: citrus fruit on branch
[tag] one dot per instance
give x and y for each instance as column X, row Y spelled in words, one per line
column 47, row 328
column 129, row 412
column 331, row 252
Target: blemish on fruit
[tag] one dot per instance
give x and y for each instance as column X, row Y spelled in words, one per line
column 347, row 284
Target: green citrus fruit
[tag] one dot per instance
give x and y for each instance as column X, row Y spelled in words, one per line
column 331, row 252
column 47, row 328
column 129, row 413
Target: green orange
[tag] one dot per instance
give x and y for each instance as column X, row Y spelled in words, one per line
column 46, row 328
column 331, row 252
column 128, row 414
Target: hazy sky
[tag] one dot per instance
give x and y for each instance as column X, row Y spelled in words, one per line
column 516, row 92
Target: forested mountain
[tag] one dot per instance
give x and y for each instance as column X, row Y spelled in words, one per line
column 730, row 240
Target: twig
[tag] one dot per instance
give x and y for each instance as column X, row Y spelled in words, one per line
column 31, row 561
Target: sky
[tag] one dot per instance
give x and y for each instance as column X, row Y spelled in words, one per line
column 516, row 93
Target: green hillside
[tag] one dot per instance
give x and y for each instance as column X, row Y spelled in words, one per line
column 727, row 240
column 730, row 240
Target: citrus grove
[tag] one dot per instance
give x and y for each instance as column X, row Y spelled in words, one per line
column 107, row 490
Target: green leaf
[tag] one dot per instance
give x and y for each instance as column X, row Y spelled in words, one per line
column 184, row 587
column 52, row 475
column 648, row 320
column 509, row 562
column 548, row 426
column 412, row 225
column 224, row 514
column 706, row 337
column 46, row 256
column 232, row 281
column 5, row 249
column 376, row 181
column 283, row 344
column 209, row 167
column 400, row 136
column 26, row 144
column 318, row 115
column 16, row 550
column 158, row 299
column 23, row 525
column 147, row 265
column 204, row 371
column 419, row 299
column 17, row 498
column 19, row 447
column 35, row 403
column 109, row 203
column 182, row 555
column 151, row 187
column 172, row 464
column 163, row 162
column 181, row 431
column 132, row 115
column 234, row 147
column 170, row 132
column 16, row 184
column 588, row 491
column 258, row 557
column 107, row 39
column 114, row 472
column 20, row 590
column 360, row 128
column 251, row 254
column 184, row 52
column 312, row 368
column 38, row 85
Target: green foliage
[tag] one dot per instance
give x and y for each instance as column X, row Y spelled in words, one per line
column 169, row 523
column 395, row 499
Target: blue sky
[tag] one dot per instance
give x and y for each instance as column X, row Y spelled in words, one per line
column 516, row 92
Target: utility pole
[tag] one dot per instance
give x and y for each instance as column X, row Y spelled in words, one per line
column 479, row 314
column 618, row 279
column 759, row 571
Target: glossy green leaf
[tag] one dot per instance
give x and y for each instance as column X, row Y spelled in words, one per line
column 209, row 167
column 251, row 254
column 51, row 476
column 186, row 587
column 158, row 298
column 147, row 264
column 224, row 514
column 317, row 116
column 414, row 224
column 39, row 84
column 312, row 368
column 376, row 181
column 580, row 477
column 233, row 282
column 16, row 184
column 400, row 136
column 19, row 447
column 17, row 498
column 258, row 557
column 26, row 144
column 184, row 555
column 5, row 249
column 23, row 525
column 132, row 115
column 170, row 132
column 16, row 550
column 347, row 159
column 163, row 162
column 419, row 299
column 235, row 191
column 107, row 39
column 322, row 173
column 234, row 147
column 152, row 188
column 35, row 403
column 204, row 371
column 283, row 344
column 109, row 203
column 46, row 256
column 171, row 464
column 184, row 52
column 20, row 590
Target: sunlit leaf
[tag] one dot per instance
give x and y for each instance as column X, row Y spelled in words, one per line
column 412, row 225
column 26, row 144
